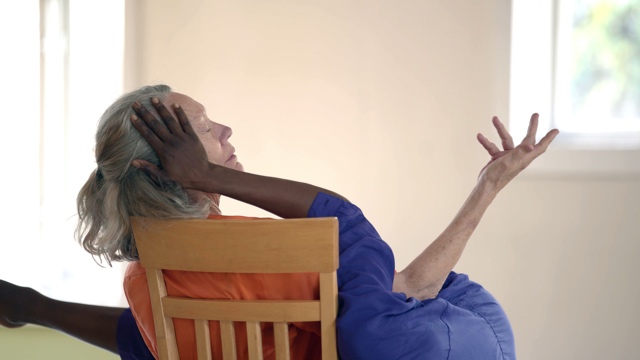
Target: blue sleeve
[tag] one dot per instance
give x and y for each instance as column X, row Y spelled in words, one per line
column 361, row 248
column 131, row 346
column 463, row 322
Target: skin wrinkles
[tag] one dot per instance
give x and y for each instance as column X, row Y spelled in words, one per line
column 214, row 138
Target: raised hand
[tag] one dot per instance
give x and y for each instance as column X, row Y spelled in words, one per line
column 181, row 153
column 505, row 164
column 12, row 301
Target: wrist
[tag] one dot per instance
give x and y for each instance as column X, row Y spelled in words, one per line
column 487, row 188
column 206, row 180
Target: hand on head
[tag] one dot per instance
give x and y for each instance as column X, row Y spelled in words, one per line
column 505, row 164
column 181, row 153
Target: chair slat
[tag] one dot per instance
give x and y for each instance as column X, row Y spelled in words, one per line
column 238, row 246
column 329, row 304
column 228, row 337
column 165, row 333
column 281, row 338
column 203, row 341
column 249, row 246
column 242, row 310
column 254, row 340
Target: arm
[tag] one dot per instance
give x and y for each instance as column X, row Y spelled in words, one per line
column 424, row 276
column 184, row 160
column 96, row 325
column 285, row 198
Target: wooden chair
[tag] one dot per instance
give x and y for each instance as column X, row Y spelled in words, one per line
column 240, row 246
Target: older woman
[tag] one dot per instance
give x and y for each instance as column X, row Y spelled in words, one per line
column 423, row 311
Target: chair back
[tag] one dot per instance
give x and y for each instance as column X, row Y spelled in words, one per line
column 240, row 246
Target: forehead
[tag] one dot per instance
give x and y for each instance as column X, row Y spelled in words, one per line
column 192, row 108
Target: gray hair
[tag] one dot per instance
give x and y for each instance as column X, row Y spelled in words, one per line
column 117, row 190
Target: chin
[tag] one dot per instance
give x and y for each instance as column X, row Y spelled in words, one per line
column 239, row 167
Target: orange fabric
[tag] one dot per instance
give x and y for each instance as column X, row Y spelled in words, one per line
column 304, row 338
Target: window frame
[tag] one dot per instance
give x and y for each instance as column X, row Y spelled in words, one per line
column 532, row 81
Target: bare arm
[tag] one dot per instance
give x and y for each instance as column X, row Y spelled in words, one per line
column 285, row 198
column 184, row 160
column 96, row 325
column 424, row 276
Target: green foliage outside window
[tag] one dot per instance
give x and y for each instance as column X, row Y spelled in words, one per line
column 606, row 57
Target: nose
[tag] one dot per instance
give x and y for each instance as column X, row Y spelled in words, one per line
column 224, row 132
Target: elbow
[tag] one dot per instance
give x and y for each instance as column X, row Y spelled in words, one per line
column 412, row 288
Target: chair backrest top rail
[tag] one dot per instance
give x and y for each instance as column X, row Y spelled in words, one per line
column 249, row 246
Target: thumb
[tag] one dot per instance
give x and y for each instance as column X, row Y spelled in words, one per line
column 157, row 176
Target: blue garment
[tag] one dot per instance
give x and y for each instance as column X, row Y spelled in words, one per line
column 464, row 322
column 131, row 345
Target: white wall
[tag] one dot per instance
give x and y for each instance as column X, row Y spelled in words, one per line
column 381, row 102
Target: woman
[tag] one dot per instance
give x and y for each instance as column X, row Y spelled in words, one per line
column 423, row 311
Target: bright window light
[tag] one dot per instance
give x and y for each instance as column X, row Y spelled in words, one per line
column 577, row 62
column 20, row 146
column 58, row 86
column 598, row 67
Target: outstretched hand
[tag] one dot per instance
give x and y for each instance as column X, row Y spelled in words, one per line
column 12, row 299
column 505, row 164
column 181, row 153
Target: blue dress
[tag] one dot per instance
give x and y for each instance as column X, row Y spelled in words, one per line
column 464, row 322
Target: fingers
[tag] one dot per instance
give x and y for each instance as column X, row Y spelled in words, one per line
column 530, row 138
column 507, row 140
column 166, row 116
column 185, row 124
column 152, row 171
column 146, row 132
column 546, row 141
column 505, row 137
column 152, row 122
column 173, row 126
column 488, row 145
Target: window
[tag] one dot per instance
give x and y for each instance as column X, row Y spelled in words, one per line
column 65, row 69
column 597, row 72
column 577, row 62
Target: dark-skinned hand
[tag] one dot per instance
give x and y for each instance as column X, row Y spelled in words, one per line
column 181, row 153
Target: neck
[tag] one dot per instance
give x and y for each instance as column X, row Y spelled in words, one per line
column 200, row 196
column 215, row 204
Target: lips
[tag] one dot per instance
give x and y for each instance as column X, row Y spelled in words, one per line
column 233, row 155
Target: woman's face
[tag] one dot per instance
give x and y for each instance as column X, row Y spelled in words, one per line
column 214, row 136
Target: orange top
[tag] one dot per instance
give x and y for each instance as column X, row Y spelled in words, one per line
column 304, row 338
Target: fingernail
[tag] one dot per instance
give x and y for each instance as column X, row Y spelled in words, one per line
column 133, row 117
column 135, row 164
column 176, row 106
column 136, row 105
column 155, row 100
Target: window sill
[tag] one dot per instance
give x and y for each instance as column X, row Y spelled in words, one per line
column 563, row 162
